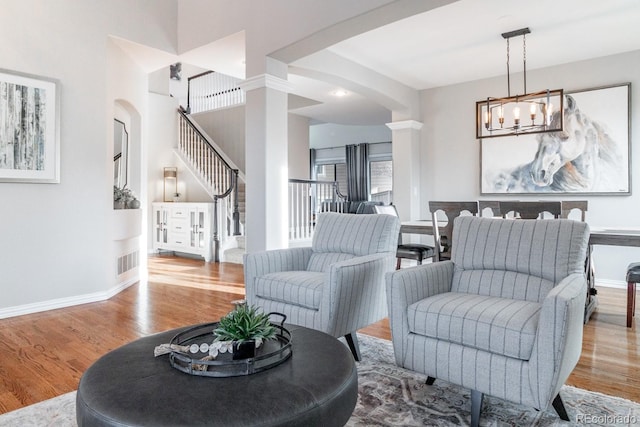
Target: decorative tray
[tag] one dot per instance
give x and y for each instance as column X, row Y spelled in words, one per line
column 196, row 361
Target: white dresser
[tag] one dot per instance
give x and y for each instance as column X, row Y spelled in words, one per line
column 183, row 227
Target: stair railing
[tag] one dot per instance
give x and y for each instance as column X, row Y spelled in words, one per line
column 306, row 199
column 217, row 220
column 212, row 90
column 214, row 171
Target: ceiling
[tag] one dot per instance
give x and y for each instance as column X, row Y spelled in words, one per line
column 462, row 42
column 455, row 43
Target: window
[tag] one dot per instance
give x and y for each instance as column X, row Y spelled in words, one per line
column 381, row 180
column 333, row 172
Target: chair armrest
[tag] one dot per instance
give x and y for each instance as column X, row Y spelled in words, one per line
column 258, row 264
column 559, row 338
column 410, row 285
column 355, row 297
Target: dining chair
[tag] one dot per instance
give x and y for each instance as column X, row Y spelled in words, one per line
column 492, row 205
column 633, row 277
column 443, row 235
column 569, row 205
column 414, row 251
column 531, row 210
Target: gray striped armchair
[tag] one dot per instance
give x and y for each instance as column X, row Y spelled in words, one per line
column 336, row 285
column 503, row 317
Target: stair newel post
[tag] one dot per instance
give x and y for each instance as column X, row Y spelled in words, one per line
column 216, row 237
column 236, row 210
column 188, row 110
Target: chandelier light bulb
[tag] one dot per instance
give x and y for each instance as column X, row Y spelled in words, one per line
column 532, row 112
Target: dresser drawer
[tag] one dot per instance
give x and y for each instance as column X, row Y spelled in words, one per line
column 179, row 226
column 179, row 212
column 179, row 239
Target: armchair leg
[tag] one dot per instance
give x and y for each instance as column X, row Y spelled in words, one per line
column 352, row 341
column 558, row 405
column 430, row 380
column 476, row 407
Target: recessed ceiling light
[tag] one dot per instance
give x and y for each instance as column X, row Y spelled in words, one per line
column 340, row 93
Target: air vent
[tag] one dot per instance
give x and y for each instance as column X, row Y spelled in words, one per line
column 128, row 262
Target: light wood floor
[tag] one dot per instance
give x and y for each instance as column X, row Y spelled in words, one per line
column 43, row 355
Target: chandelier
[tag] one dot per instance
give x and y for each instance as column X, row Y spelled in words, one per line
column 505, row 116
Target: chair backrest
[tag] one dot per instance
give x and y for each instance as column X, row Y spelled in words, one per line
column 493, row 205
column 443, row 235
column 367, row 207
column 338, row 237
column 531, row 210
column 521, row 260
column 388, row 210
column 570, row 205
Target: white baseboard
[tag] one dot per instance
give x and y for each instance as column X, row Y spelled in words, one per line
column 605, row 283
column 54, row 304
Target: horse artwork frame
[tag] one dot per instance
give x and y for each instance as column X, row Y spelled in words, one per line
column 592, row 155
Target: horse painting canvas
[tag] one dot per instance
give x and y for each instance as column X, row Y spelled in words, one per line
column 591, row 154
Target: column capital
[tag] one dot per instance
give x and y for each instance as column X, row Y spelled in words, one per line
column 405, row 124
column 266, row 80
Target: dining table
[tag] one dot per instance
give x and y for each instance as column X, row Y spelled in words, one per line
column 609, row 236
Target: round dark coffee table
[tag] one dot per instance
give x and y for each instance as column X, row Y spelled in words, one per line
column 317, row 386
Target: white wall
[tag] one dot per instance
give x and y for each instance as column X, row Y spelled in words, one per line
column 226, row 128
column 298, row 153
column 451, row 153
column 56, row 244
column 327, row 135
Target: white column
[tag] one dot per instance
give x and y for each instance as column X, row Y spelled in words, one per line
column 266, row 162
column 406, row 168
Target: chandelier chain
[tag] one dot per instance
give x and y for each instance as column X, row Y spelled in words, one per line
column 524, row 60
column 508, row 73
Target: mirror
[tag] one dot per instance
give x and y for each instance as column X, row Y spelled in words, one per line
column 120, row 153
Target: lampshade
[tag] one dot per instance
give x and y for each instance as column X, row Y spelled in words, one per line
column 170, row 183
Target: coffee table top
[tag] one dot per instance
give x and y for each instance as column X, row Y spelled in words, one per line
column 128, row 386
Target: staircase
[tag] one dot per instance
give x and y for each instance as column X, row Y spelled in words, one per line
column 226, row 184
column 234, row 254
column 217, row 174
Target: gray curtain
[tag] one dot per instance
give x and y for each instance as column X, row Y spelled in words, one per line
column 357, row 157
column 363, row 169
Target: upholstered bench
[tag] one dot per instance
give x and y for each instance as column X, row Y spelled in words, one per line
column 633, row 277
column 317, row 386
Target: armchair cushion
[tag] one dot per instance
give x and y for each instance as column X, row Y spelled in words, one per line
column 301, row 288
column 497, row 325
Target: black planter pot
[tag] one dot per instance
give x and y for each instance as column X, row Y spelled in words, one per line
column 244, row 349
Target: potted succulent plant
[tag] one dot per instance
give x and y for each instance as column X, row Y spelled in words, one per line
column 246, row 327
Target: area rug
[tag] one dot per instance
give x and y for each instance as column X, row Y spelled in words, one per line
column 392, row 396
